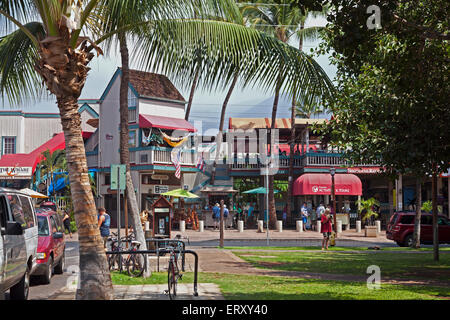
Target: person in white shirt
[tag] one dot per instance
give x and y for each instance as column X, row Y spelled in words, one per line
column 304, row 211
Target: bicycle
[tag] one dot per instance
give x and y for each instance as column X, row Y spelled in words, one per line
column 173, row 272
column 115, row 261
column 136, row 263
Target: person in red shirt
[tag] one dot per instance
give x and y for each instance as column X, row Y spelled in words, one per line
column 326, row 228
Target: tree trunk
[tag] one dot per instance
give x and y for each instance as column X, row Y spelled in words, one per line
column 291, row 163
column 435, row 216
column 222, row 121
column 191, row 96
column 416, row 243
column 124, row 149
column 64, row 71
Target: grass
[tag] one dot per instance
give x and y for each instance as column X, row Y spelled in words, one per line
column 392, row 264
column 244, row 287
column 317, row 248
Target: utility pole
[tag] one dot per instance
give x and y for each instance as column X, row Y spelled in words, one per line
column 333, row 195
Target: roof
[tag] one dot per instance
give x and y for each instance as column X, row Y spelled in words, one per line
column 153, row 85
column 149, row 121
column 262, row 123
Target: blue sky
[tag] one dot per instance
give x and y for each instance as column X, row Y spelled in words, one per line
column 205, row 105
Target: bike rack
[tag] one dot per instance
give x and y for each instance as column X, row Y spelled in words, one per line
column 167, row 251
column 183, row 260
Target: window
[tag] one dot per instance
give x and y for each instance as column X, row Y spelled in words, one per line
column 132, row 99
column 54, row 224
column 17, row 210
column 27, row 211
column 107, row 179
column 42, row 226
column 8, row 145
column 407, row 219
column 443, row 221
column 3, row 212
column 426, row 220
column 132, row 139
column 132, row 115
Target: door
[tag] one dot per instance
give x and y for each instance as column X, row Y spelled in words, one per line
column 56, row 243
column 426, row 228
column 444, row 229
column 14, row 245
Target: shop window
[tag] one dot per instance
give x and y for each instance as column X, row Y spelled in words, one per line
column 8, row 145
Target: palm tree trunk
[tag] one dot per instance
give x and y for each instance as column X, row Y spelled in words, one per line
column 291, row 162
column 435, row 215
column 272, row 208
column 95, row 279
column 64, row 72
column 222, row 122
column 416, row 243
column 124, row 149
column 191, row 95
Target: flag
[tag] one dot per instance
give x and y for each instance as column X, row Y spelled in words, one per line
column 201, row 164
column 176, row 158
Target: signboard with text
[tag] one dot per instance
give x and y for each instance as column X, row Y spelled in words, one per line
column 16, row 172
column 364, row 170
column 118, row 176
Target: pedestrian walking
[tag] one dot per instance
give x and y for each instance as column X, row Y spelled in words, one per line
column 320, row 210
column 313, row 219
column 304, row 214
column 66, row 222
column 104, row 223
column 326, row 228
column 225, row 215
column 216, row 215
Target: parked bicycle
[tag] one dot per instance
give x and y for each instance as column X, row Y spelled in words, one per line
column 134, row 263
column 174, row 272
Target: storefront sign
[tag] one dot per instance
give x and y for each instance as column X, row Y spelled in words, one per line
column 16, row 172
column 160, row 177
column 364, row 170
column 161, row 189
column 317, row 189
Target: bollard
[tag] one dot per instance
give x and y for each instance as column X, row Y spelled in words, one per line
column 378, row 224
column 182, row 226
column 299, row 225
column 319, row 226
column 347, row 226
column 260, row 226
column 280, row 226
column 339, row 226
column 358, row 226
column 241, row 226
column 201, row 226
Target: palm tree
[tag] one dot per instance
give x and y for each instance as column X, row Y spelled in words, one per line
column 44, row 42
column 51, row 163
column 283, row 22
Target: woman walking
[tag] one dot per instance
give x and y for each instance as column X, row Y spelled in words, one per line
column 326, row 228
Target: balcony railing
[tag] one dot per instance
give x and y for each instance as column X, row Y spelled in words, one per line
column 153, row 155
column 307, row 160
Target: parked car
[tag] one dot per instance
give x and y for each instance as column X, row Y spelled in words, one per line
column 401, row 228
column 18, row 243
column 51, row 245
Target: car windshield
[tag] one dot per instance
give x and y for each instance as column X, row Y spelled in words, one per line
column 42, row 226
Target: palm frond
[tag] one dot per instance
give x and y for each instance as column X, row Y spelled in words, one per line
column 18, row 56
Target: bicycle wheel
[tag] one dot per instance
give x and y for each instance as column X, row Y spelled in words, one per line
column 135, row 265
column 172, row 281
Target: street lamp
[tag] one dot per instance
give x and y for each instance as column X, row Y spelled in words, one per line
column 333, row 198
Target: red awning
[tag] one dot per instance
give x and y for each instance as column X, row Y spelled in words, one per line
column 148, row 121
column 320, row 183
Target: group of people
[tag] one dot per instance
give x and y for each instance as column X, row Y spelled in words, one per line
column 321, row 213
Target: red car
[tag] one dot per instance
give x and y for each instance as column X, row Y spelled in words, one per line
column 51, row 245
column 401, row 228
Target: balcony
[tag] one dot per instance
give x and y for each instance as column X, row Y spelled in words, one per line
column 307, row 160
column 156, row 155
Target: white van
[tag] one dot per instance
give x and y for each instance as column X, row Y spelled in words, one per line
column 18, row 243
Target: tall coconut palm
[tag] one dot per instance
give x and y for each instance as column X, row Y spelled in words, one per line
column 283, row 22
column 52, row 162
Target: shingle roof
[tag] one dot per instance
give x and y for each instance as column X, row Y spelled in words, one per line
column 154, row 85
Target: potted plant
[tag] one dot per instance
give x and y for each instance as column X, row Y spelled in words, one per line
column 369, row 216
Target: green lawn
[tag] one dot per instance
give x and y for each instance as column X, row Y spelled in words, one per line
column 392, row 264
column 243, row 287
column 317, row 248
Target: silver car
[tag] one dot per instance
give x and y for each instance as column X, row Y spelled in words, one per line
column 18, row 243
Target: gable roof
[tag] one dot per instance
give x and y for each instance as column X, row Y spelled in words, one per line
column 153, row 85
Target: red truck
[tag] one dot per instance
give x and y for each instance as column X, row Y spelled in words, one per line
column 401, row 228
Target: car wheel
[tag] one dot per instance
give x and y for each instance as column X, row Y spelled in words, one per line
column 47, row 276
column 21, row 290
column 409, row 240
column 59, row 269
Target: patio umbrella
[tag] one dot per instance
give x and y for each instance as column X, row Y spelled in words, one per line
column 33, row 193
column 259, row 191
column 180, row 193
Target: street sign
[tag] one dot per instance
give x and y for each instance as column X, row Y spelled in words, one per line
column 118, row 176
